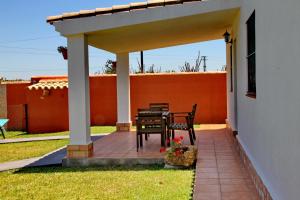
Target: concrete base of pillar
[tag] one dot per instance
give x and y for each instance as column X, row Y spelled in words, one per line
column 80, row 151
column 123, row 127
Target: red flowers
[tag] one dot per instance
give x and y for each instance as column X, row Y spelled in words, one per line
column 175, row 149
column 177, row 140
column 163, row 149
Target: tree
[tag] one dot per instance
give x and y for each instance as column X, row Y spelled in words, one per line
column 140, row 67
column 153, row 70
column 188, row 68
column 109, row 68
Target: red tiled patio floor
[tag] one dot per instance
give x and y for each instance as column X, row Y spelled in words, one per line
column 219, row 171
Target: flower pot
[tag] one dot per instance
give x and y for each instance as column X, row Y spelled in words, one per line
column 186, row 157
column 64, row 51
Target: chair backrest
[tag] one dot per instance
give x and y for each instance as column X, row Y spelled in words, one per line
column 161, row 106
column 150, row 122
column 192, row 114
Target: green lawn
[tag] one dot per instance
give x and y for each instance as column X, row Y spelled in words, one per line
column 18, row 151
column 140, row 183
column 94, row 130
column 196, row 126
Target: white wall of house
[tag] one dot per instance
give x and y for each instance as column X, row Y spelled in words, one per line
column 268, row 126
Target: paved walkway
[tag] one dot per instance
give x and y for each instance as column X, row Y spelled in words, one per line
column 42, row 138
column 220, row 175
column 17, row 164
column 52, row 158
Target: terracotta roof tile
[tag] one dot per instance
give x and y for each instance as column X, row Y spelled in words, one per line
column 49, row 84
column 120, row 8
column 84, row 12
column 138, row 5
column 116, row 9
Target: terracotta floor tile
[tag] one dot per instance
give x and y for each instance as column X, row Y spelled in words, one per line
column 233, row 175
column 214, row 189
column 226, row 157
column 207, row 175
column 207, row 170
column 234, row 188
column 232, row 181
column 238, row 196
column 207, row 181
column 207, row 196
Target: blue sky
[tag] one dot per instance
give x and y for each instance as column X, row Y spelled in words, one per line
column 28, row 44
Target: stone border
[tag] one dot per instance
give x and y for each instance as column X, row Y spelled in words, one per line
column 89, row 162
column 261, row 188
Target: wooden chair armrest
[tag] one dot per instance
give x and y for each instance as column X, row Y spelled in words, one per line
column 176, row 113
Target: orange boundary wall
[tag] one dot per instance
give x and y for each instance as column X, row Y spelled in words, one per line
column 180, row 90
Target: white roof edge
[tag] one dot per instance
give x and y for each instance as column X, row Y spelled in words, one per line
column 106, row 22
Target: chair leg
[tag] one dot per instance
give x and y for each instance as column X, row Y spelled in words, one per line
column 194, row 135
column 141, row 140
column 146, row 136
column 2, row 132
column 162, row 140
column 173, row 133
column 168, row 138
column 191, row 137
column 137, row 142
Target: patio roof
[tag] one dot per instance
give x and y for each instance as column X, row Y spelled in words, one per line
column 116, row 9
column 149, row 25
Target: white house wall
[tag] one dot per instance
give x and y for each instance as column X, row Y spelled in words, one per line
column 269, row 126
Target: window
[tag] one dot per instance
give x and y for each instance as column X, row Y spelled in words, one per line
column 251, row 56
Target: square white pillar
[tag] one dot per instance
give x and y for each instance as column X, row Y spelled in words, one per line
column 79, row 91
column 123, row 92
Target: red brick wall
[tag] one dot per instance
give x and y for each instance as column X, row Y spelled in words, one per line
column 103, row 100
column 16, row 100
column 181, row 91
column 49, row 113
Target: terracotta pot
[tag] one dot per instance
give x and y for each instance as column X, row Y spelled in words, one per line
column 186, row 159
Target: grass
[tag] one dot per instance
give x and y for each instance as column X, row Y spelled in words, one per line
column 141, row 183
column 21, row 134
column 94, row 130
column 196, row 126
column 24, row 150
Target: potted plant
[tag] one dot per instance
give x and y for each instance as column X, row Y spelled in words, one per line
column 63, row 51
column 180, row 155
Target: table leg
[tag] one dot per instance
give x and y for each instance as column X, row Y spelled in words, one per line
column 2, row 132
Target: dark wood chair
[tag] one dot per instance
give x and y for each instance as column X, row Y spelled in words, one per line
column 160, row 106
column 150, row 123
column 188, row 125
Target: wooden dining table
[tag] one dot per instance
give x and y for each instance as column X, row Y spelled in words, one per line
column 149, row 113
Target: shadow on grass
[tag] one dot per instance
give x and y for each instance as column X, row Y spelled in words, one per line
column 60, row 169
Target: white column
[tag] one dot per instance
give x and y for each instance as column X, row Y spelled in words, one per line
column 123, row 89
column 79, row 90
